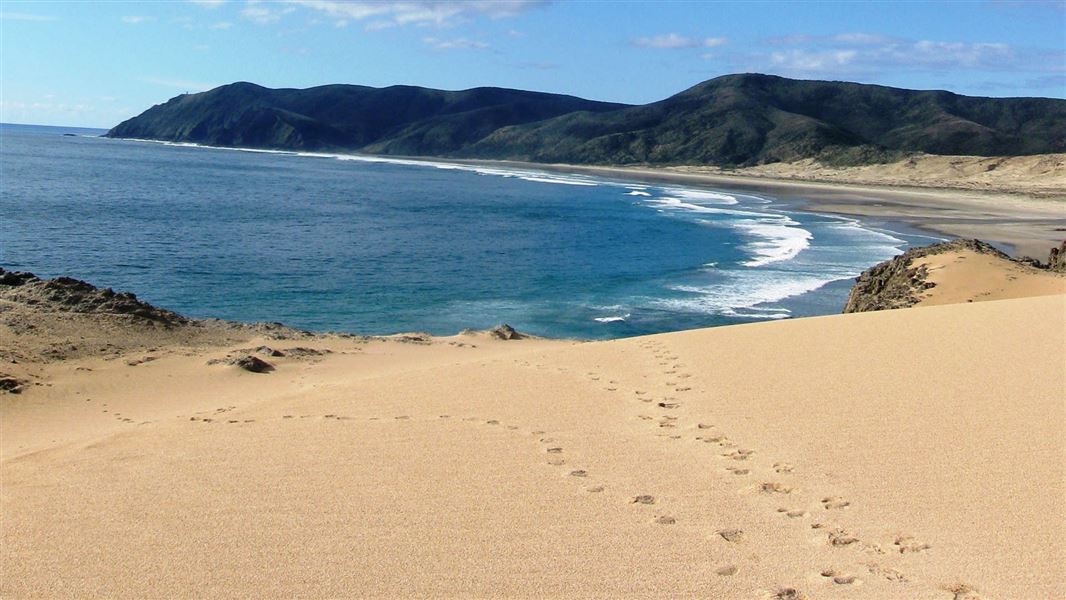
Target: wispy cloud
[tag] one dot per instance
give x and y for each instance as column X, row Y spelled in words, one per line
column 418, row 12
column 209, row 3
column 20, row 16
column 675, row 40
column 263, row 15
column 136, row 19
column 857, row 53
column 454, row 44
column 813, row 61
column 220, row 25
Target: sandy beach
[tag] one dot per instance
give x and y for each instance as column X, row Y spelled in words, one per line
column 1019, row 204
column 913, row 453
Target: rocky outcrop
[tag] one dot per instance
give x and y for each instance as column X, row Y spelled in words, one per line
column 1056, row 260
column 895, row 284
column 253, row 364
column 66, row 294
column 506, row 332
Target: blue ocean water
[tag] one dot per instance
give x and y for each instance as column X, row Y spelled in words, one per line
column 330, row 242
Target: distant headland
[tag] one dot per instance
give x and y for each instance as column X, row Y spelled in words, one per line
column 733, row 120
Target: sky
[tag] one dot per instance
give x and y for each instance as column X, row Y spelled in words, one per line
column 95, row 64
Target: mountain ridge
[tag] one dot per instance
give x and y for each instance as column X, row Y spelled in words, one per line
column 742, row 120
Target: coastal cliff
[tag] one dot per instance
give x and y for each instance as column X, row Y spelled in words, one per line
column 733, row 120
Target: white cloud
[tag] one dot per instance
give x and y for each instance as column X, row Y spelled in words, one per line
column 209, row 3
column 18, row 16
column 418, row 12
column 861, row 38
column 136, row 19
column 813, row 61
column 262, row 14
column 675, row 40
column 666, row 40
column 454, row 44
column 853, row 53
column 379, row 25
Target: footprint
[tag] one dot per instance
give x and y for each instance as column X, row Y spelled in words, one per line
column 579, row 473
column 887, row 573
column 737, row 470
column 962, row 592
column 907, row 543
column 683, row 389
column 739, row 454
column 835, row 502
column 840, row 537
column 726, row 571
column 838, row 578
column 781, row 467
column 555, row 450
column 733, row 536
column 788, row 593
column 556, row 462
column 402, row 418
column 643, row 499
column 492, row 422
column 775, row 488
column 669, row 404
column 595, row 489
column 792, row 514
column 664, row 520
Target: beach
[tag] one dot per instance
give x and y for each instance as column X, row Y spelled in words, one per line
column 901, row 453
column 1020, row 207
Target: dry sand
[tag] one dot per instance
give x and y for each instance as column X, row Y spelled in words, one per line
column 912, row 453
column 969, row 276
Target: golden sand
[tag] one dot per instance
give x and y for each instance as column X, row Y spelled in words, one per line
column 912, row 453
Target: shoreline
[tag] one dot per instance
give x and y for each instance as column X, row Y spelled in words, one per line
column 1024, row 225
column 1019, row 223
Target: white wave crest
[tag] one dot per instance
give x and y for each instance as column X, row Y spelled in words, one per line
column 612, row 319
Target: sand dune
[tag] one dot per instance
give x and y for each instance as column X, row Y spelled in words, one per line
column 1039, row 175
column 896, row 454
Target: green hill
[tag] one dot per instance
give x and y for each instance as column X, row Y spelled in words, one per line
column 731, row 120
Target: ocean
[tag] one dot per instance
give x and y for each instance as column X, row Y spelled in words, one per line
column 377, row 246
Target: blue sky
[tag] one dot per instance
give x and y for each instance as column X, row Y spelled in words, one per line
column 95, row 64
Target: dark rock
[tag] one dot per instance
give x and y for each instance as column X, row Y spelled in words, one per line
column 894, row 284
column 10, row 385
column 506, row 332
column 300, row 352
column 1056, row 261
column 253, row 364
column 268, row 351
column 72, row 295
column 16, row 278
